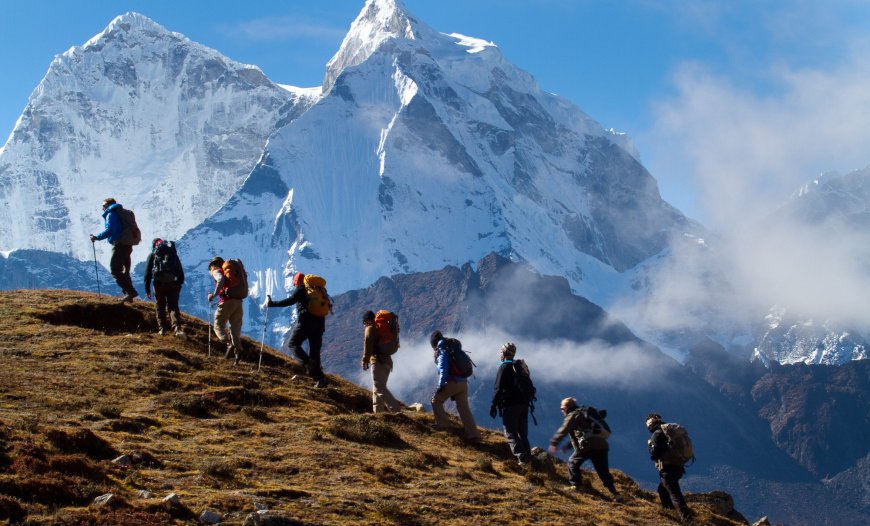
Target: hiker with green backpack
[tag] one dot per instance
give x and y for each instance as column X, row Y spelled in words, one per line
column 313, row 304
column 513, row 396
column 164, row 267
column 380, row 342
column 231, row 287
column 122, row 233
column 670, row 448
column 588, row 432
column 454, row 367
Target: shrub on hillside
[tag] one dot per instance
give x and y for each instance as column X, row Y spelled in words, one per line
column 365, row 429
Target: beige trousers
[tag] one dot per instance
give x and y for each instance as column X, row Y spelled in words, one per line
column 382, row 398
column 229, row 311
column 459, row 392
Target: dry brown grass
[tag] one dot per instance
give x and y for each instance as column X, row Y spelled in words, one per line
column 85, row 379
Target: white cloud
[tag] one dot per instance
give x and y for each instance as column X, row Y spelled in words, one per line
column 283, row 28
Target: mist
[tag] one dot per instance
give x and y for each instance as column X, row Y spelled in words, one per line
column 593, row 363
column 754, row 157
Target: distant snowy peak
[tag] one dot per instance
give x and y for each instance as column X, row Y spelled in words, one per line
column 378, row 21
column 169, row 127
column 130, row 22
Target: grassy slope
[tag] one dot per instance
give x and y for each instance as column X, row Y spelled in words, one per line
column 85, row 379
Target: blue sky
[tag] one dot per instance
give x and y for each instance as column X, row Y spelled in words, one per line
column 733, row 104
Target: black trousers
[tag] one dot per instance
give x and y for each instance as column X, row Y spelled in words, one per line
column 311, row 330
column 119, row 265
column 515, row 419
column 669, row 490
column 166, row 298
column 600, row 462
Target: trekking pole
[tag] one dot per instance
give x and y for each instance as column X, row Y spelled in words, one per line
column 209, row 329
column 96, row 272
column 263, row 340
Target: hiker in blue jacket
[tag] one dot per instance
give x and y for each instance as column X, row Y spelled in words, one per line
column 453, row 387
column 122, row 248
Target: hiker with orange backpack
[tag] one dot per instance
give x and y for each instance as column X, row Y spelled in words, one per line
column 380, row 342
column 122, row 233
column 231, row 287
column 313, row 304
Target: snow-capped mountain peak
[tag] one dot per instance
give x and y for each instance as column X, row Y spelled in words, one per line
column 168, row 127
column 378, row 21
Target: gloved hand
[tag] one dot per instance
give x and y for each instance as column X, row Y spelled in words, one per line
column 493, row 411
column 269, row 301
column 148, row 294
column 365, row 366
column 93, row 238
column 210, row 296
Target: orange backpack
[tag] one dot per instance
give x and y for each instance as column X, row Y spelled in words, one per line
column 387, row 327
column 236, row 286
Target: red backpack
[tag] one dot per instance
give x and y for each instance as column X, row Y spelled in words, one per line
column 387, row 327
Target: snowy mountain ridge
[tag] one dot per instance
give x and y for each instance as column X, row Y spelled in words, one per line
column 169, row 127
column 420, row 155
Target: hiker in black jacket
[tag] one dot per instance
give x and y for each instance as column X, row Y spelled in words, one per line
column 164, row 267
column 512, row 395
column 670, row 473
column 307, row 327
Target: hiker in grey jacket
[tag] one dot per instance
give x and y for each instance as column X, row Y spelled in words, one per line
column 587, row 444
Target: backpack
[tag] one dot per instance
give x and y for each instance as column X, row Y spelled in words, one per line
column 131, row 235
column 460, row 363
column 523, row 382
column 599, row 427
column 387, row 327
column 166, row 266
column 319, row 302
column 680, row 448
column 236, row 286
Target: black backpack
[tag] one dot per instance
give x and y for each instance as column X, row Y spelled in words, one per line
column 460, row 362
column 166, row 267
column 523, row 385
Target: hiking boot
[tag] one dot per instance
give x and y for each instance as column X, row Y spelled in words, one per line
column 236, row 360
column 180, row 334
column 571, row 487
column 618, row 498
column 229, row 350
column 161, row 332
column 323, row 382
column 129, row 297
